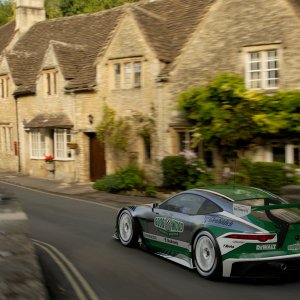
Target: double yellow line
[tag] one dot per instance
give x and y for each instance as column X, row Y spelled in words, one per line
column 80, row 286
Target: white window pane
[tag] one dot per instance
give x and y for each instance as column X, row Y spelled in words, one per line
column 117, row 71
column 254, row 56
column 255, row 66
column 127, row 75
column 272, row 54
column 137, row 74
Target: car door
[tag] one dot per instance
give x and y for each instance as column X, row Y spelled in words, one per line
column 170, row 227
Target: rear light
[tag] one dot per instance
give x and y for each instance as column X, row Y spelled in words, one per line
column 251, row 237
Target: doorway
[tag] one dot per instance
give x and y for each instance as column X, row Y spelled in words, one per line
column 97, row 158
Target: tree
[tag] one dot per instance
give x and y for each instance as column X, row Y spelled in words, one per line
column 7, row 8
column 74, row 7
column 61, row 8
column 228, row 118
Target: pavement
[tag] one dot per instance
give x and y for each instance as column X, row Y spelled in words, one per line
column 20, row 272
column 77, row 190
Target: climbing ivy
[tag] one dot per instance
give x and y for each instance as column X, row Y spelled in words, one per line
column 113, row 130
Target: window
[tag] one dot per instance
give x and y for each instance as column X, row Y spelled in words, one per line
column 6, row 143
column 4, row 87
column 183, row 143
column 38, row 143
column 50, row 82
column 190, row 204
column 147, row 148
column 127, row 74
column 61, row 138
column 45, row 141
column 184, row 139
column 262, row 69
column 289, row 153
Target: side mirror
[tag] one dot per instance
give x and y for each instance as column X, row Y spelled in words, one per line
column 154, row 205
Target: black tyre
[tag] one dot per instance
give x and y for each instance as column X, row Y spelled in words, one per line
column 127, row 229
column 207, row 256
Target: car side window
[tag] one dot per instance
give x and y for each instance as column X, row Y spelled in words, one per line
column 186, row 203
column 208, row 207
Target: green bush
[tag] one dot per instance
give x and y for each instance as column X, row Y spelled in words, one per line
column 185, row 172
column 271, row 176
column 174, row 171
column 127, row 179
column 150, row 191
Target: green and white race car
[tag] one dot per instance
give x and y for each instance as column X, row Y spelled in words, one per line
column 219, row 230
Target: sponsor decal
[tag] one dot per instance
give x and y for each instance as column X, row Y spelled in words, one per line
column 241, row 210
column 218, row 220
column 168, row 226
column 294, row 247
column 167, row 240
column 266, row 247
column 227, row 245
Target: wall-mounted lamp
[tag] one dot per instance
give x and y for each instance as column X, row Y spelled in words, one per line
column 91, row 119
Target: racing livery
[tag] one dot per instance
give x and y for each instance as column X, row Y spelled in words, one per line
column 219, row 230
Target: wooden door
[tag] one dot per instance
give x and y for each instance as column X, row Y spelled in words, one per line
column 97, row 158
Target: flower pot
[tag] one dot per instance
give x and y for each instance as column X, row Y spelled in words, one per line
column 50, row 166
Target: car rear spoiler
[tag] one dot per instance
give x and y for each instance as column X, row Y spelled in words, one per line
column 276, row 206
column 284, row 225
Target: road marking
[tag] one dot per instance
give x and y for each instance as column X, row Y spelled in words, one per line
column 12, row 216
column 71, row 273
column 63, row 196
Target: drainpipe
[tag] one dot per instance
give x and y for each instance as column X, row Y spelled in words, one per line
column 18, row 135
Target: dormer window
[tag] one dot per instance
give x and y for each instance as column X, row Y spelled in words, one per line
column 127, row 74
column 4, row 87
column 50, row 82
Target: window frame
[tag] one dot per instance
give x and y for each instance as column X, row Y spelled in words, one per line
column 37, row 143
column 66, row 135
column 50, row 82
column 6, row 139
column 47, row 140
column 126, row 73
column 4, row 87
column 263, row 60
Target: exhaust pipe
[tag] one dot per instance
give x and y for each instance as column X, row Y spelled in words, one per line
column 283, row 267
column 280, row 266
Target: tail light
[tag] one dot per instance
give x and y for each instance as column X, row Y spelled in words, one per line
column 251, row 237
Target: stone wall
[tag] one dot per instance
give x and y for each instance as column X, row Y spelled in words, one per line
column 20, row 273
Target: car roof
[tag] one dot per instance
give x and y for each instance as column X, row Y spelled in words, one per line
column 237, row 192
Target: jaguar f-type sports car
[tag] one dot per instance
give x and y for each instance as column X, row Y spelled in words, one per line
column 228, row 231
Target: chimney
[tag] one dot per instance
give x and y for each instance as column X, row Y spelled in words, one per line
column 29, row 12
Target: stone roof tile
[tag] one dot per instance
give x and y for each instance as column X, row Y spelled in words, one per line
column 77, row 40
column 59, row 120
column 7, row 33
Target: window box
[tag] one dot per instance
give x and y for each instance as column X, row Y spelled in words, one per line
column 72, row 145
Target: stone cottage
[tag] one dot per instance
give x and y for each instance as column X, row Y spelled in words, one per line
column 56, row 77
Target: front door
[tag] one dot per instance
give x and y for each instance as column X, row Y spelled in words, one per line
column 97, row 158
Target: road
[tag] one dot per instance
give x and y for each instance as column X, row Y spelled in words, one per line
column 82, row 232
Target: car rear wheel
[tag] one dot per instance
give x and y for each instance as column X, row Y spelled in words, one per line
column 206, row 255
column 127, row 229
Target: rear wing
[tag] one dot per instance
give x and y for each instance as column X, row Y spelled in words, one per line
column 283, row 214
column 276, row 206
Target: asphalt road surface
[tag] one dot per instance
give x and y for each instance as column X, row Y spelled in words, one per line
column 78, row 235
